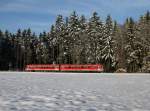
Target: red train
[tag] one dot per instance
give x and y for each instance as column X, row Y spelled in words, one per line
column 64, row 67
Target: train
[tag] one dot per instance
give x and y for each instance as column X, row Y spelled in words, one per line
column 65, row 67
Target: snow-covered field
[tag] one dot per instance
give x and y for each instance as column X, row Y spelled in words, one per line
column 74, row 92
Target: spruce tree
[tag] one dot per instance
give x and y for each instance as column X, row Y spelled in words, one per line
column 95, row 35
column 73, row 34
column 131, row 48
column 118, row 46
column 108, row 50
column 83, row 41
column 52, row 44
column 59, row 29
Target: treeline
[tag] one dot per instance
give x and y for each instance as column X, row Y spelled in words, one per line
column 76, row 40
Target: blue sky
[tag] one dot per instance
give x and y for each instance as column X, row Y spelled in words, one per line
column 40, row 14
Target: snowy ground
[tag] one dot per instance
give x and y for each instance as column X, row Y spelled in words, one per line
column 74, row 92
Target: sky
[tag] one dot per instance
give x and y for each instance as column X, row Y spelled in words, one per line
column 39, row 15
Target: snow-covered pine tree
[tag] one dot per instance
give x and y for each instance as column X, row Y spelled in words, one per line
column 143, row 37
column 118, row 46
column 34, row 40
column 51, row 44
column 133, row 49
column 28, row 42
column 83, row 40
column 73, row 34
column 108, row 50
column 59, row 29
column 95, row 35
column 66, row 42
column 44, row 48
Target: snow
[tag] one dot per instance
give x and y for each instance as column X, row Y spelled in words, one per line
column 74, row 92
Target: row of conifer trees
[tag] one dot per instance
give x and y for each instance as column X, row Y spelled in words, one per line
column 78, row 40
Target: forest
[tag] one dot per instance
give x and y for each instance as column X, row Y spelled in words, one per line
column 78, row 40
